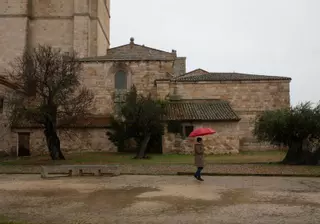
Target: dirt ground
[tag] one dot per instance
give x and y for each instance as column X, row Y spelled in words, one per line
column 160, row 199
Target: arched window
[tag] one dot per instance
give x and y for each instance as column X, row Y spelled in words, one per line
column 121, row 86
column 120, row 80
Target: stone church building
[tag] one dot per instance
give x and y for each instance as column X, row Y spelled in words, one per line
column 227, row 102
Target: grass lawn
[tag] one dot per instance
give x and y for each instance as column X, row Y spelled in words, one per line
column 123, row 158
column 4, row 220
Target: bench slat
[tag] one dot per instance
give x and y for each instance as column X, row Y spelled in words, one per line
column 78, row 170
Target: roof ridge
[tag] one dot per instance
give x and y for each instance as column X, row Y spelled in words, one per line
column 229, row 76
column 154, row 49
column 200, row 101
column 241, row 73
column 162, row 51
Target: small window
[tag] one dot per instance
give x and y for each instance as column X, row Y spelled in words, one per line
column 1, row 105
column 187, row 130
column 174, row 127
column 120, row 80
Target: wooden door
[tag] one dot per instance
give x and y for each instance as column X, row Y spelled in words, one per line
column 23, row 144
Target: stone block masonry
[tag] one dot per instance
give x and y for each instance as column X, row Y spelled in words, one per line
column 247, row 98
column 99, row 77
column 75, row 140
column 78, row 25
column 225, row 141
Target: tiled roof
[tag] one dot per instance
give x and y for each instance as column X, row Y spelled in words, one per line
column 227, row 77
column 90, row 122
column 93, row 122
column 215, row 110
column 4, row 81
column 198, row 71
column 134, row 52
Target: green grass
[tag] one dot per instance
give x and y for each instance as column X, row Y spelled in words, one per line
column 125, row 158
column 4, row 220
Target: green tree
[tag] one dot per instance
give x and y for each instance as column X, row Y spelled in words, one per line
column 296, row 127
column 140, row 118
column 50, row 94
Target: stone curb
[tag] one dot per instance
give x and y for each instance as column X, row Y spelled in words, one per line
column 250, row 174
column 181, row 174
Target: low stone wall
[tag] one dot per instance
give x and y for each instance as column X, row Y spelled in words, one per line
column 225, row 141
column 252, row 144
column 75, row 140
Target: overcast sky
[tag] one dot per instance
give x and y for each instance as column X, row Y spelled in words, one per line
column 267, row 37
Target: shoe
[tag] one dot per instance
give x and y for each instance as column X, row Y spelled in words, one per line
column 200, row 179
column 195, row 176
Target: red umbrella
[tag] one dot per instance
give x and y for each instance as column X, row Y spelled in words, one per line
column 201, row 132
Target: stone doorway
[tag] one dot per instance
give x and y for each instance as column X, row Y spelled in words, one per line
column 155, row 145
column 23, row 144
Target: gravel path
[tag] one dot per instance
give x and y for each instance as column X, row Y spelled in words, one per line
column 160, row 199
column 210, row 169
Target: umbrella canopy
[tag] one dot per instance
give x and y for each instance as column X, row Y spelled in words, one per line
column 201, row 132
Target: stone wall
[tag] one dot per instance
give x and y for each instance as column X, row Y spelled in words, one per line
column 99, row 77
column 243, row 96
column 75, row 140
column 52, row 24
column 225, row 141
column 5, row 132
column 13, row 29
column 163, row 89
column 179, row 66
column 103, row 27
column 79, row 25
column 247, row 98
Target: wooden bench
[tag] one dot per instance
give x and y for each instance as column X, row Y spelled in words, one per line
column 79, row 170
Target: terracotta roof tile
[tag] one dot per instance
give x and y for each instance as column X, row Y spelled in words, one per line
column 227, row 77
column 4, row 81
column 215, row 110
column 198, row 71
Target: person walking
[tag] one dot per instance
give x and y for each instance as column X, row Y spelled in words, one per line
column 199, row 158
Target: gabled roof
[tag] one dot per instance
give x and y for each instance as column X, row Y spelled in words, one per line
column 198, row 71
column 134, row 52
column 226, row 77
column 4, row 81
column 211, row 110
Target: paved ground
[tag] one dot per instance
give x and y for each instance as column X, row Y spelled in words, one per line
column 161, row 199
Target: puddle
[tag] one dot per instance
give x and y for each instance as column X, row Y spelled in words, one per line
column 116, row 198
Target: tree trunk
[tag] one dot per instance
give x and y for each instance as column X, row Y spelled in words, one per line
column 53, row 142
column 294, row 154
column 301, row 153
column 143, row 147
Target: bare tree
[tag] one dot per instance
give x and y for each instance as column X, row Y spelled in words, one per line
column 52, row 95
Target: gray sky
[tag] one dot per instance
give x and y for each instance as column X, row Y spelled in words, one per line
column 267, row 37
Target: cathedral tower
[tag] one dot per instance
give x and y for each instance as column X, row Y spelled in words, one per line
column 80, row 25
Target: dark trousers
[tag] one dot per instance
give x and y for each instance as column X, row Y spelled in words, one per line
column 198, row 173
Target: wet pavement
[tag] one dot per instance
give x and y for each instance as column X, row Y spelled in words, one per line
column 160, row 199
